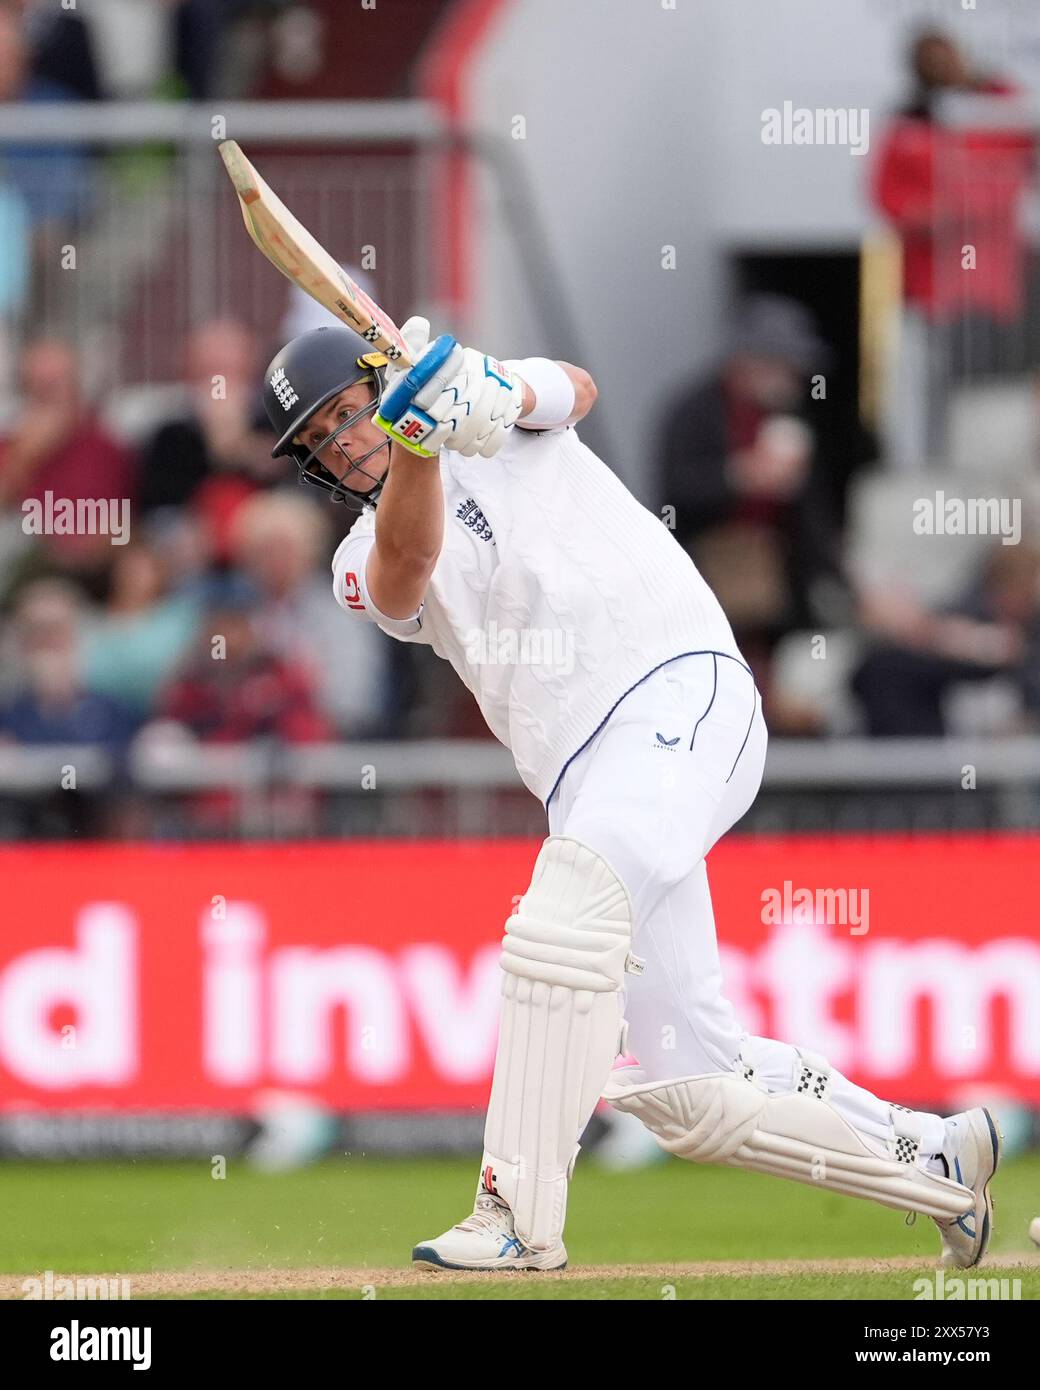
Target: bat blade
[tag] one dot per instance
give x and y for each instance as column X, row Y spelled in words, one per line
column 290, row 248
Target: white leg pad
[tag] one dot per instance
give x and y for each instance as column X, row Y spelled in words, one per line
column 725, row 1118
column 564, row 958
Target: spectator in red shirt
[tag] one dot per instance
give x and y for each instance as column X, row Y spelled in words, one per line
column 946, row 187
column 57, row 445
column 943, row 188
column 237, row 688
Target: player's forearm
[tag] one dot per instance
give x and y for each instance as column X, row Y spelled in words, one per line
column 409, row 533
column 410, row 517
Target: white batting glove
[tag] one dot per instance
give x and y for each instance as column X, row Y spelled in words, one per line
column 489, row 400
column 416, row 399
column 451, row 398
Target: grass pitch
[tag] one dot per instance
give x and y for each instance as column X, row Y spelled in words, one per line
column 344, row 1229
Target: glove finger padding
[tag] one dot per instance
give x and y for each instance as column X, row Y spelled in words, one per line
column 494, row 397
column 505, row 412
column 435, row 397
column 476, row 431
column 479, row 397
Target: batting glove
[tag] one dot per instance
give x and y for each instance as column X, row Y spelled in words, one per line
column 413, row 399
column 489, row 400
column 452, row 398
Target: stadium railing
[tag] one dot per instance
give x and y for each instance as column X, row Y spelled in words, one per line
column 469, row 787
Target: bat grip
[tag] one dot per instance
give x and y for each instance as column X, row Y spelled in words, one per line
column 401, row 395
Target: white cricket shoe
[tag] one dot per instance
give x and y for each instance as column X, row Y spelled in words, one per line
column 970, row 1156
column 486, row 1240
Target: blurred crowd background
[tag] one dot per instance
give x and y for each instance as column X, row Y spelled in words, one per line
column 795, row 504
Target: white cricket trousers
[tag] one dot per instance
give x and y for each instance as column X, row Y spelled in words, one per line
column 678, row 762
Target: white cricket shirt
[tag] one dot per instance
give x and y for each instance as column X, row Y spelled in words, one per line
column 554, row 594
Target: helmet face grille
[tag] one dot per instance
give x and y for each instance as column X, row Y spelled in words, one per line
column 312, row 470
column 305, row 376
column 317, row 475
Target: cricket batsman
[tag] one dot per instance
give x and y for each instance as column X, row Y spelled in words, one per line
column 641, row 731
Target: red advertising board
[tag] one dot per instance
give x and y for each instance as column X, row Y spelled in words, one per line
column 365, row 974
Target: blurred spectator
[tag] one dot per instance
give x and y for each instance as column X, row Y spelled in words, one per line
column 198, row 30
column 15, row 257
column 57, row 445
column 302, row 43
column 918, row 657
column 278, row 540
column 751, row 497
column 236, row 689
column 215, row 454
column 233, row 65
column 61, row 47
column 944, row 187
column 183, row 547
column 145, row 48
column 54, row 180
column 235, row 686
column 144, row 631
column 53, row 705
column 50, row 706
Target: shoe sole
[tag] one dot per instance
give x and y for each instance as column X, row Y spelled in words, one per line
column 425, row 1257
column 988, row 1204
column 984, row 1204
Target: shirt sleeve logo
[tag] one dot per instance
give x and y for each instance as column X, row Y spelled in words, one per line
column 352, row 592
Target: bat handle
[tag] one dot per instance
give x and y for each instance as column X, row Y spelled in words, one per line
column 404, row 391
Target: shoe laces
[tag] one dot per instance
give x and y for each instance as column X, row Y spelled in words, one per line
column 487, row 1215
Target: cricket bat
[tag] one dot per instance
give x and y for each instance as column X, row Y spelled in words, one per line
column 291, row 249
